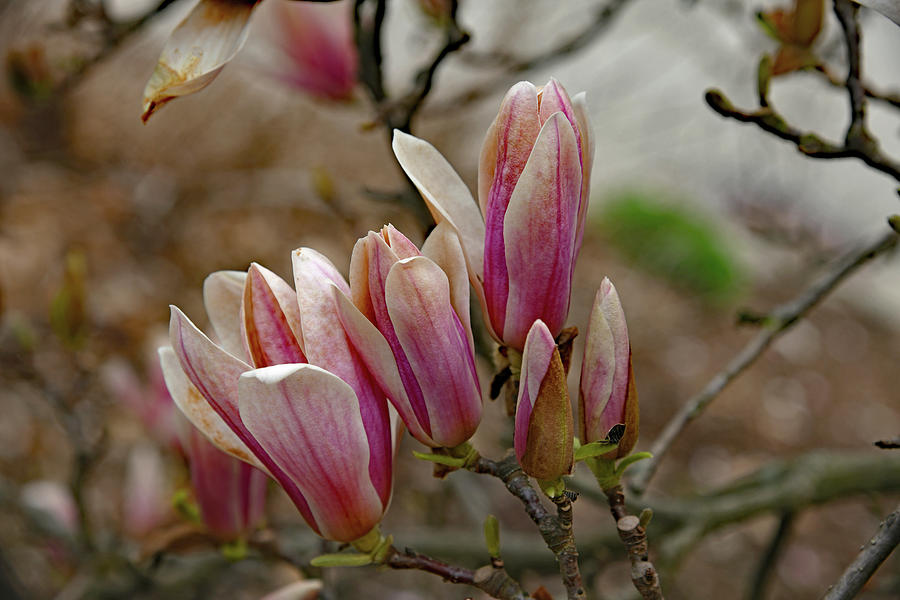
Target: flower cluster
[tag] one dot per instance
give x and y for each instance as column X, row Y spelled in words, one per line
column 306, row 382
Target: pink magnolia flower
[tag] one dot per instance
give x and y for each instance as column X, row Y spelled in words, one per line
column 317, row 41
column 544, row 430
column 607, row 395
column 320, row 427
column 230, row 493
column 410, row 324
column 533, row 188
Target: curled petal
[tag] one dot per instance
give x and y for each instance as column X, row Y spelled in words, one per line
column 309, row 422
column 585, row 128
column 446, row 195
column 222, row 293
column 540, row 231
column 197, row 50
column 199, row 412
column 434, row 341
column 271, row 319
column 215, row 374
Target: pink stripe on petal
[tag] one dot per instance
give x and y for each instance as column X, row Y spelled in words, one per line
column 326, row 345
column 540, row 232
column 539, row 347
column 443, row 247
column 418, row 300
column 267, row 319
column 309, row 421
column 215, row 374
column 376, row 353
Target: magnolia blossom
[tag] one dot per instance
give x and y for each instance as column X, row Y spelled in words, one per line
column 607, row 395
column 317, row 41
column 316, row 38
column 533, row 188
column 544, row 431
column 287, row 393
column 409, row 321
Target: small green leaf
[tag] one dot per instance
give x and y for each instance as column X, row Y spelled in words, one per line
column 441, row 459
column 629, row 460
column 605, row 471
column 185, row 507
column 235, row 551
column 645, row 517
column 341, row 560
column 553, row 488
column 492, row 536
column 594, row 449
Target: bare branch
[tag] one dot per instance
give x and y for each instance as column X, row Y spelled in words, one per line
column 870, row 557
column 494, row 581
column 778, row 321
column 634, row 537
column 770, row 558
column 555, row 530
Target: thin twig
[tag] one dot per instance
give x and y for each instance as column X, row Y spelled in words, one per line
column 810, row 144
column 770, row 558
column 555, row 530
column 779, row 321
column 892, row 99
column 494, row 581
column 604, row 17
column 870, row 557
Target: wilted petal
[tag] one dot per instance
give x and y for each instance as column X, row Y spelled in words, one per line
column 434, row 341
column 446, row 195
column 271, row 319
column 309, row 422
column 540, row 230
column 197, row 50
column 544, row 429
column 222, row 293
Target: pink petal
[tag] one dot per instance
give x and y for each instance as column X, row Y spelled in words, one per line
column 433, row 339
column 604, row 370
column 539, row 347
column 309, row 421
column 579, row 103
column 376, row 353
column 326, row 345
column 199, row 412
column 446, row 195
column 271, row 319
column 443, row 247
column 215, row 374
column 540, row 231
column 222, row 293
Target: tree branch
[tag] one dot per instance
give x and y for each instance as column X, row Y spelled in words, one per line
column 810, row 144
column 770, row 558
column 868, row 560
column 634, row 537
column 555, row 530
column 778, row 321
column 494, row 581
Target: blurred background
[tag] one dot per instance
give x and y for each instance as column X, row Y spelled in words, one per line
column 105, row 221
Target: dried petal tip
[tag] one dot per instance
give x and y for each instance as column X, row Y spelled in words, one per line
column 201, row 45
